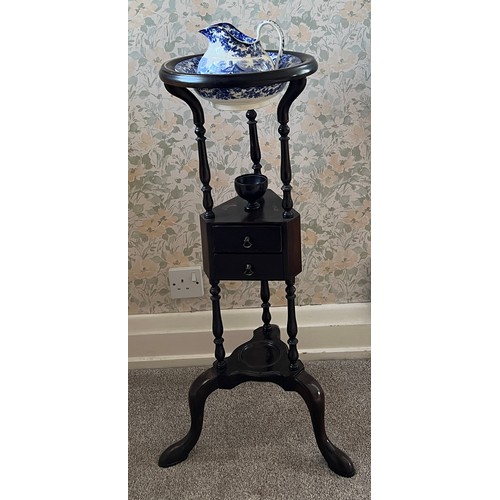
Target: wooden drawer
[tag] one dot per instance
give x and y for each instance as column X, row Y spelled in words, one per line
column 248, row 267
column 246, row 239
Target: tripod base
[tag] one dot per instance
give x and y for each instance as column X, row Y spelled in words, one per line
column 263, row 358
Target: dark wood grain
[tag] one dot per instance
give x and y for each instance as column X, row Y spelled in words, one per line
column 292, row 92
column 203, row 167
column 255, row 154
column 291, row 325
column 217, row 326
column 259, row 245
column 262, row 359
column 266, row 315
column 275, row 251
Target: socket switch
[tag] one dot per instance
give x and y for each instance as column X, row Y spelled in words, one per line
column 185, row 282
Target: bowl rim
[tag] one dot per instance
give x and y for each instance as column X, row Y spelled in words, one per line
column 307, row 66
column 251, row 175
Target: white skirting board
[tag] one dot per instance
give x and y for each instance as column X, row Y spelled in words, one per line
column 185, row 339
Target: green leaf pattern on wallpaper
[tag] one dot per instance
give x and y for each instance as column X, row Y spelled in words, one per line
column 329, row 141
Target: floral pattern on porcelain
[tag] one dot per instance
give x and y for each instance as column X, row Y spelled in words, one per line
column 231, row 51
column 225, row 94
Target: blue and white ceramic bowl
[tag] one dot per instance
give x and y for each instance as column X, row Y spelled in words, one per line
column 235, row 98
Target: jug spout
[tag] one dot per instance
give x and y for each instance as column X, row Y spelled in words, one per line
column 226, row 31
column 205, row 31
column 210, row 32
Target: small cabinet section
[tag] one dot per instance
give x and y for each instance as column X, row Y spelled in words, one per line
column 260, row 245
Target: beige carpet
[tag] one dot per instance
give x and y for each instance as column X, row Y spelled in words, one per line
column 257, row 441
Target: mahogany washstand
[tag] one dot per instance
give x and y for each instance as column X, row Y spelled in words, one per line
column 252, row 245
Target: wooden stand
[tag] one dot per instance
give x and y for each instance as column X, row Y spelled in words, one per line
column 260, row 245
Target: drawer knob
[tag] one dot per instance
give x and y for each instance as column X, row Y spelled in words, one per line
column 246, row 242
column 248, row 270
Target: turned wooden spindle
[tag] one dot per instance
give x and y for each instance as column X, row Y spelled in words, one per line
column 199, row 121
column 217, row 327
column 291, row 325
column 295, row 87
column 251, row 114
column 266, row 315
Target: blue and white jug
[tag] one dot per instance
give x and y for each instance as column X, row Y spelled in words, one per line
column 231, row 51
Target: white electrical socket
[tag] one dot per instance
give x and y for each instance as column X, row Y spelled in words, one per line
column 185, row 282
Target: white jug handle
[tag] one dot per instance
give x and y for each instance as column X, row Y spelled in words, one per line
column 281, row 36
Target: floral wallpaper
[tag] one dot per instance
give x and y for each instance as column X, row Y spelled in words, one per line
column 329, row 144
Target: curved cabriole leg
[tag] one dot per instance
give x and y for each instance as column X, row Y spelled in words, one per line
column 200, row 389
column 312, row 393
column 199, row 120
